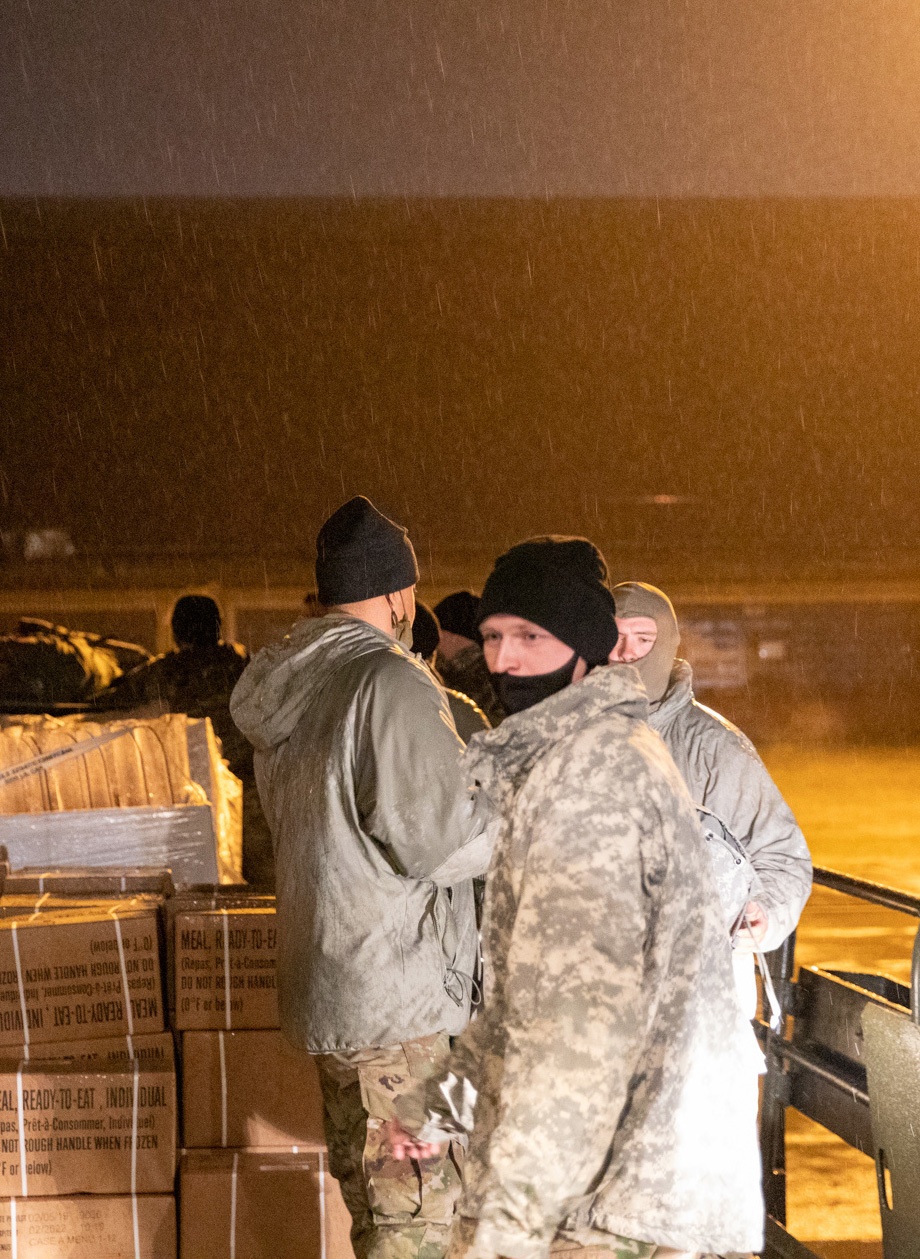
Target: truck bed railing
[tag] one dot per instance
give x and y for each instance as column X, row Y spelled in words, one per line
column 817, row 1063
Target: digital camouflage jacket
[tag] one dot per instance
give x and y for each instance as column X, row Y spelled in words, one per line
column 611, row 1059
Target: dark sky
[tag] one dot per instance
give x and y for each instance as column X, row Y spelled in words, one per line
column 465, row 97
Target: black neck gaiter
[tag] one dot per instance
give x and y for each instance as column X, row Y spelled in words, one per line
column 517, row 693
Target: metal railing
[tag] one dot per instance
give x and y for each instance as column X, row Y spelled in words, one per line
column 811, row 1068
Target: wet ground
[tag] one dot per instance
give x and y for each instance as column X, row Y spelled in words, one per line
column 860, row 810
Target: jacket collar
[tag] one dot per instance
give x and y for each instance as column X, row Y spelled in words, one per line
column 678, row 695
column 499, row 760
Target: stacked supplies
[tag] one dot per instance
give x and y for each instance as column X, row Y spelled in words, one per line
column 100, row 969
column 254, row 1176
column 88, row 1106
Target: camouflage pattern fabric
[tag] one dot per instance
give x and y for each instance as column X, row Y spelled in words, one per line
column 611, row 1059
column 398, row 1210
column 467, row 673
column 615, row 1247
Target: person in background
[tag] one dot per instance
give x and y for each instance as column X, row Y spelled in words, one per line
column 468, row 716
column 460, row 660
column 603, row 1088
column 720, row 766
column 377, row 839
column 197, row 678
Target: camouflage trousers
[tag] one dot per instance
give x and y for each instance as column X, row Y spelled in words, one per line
column 398, row 1210
column 611, row 1247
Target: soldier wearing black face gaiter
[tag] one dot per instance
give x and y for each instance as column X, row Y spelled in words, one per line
column 559, row 584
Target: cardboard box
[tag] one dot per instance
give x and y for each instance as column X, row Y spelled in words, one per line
column 90, row 881
column 248, row 1089
column 88, row 1228
column 66, row 974
column 225, row 968
column 199, row 899
column 82, row 1127
column 252, row 1205
column 157, row 1047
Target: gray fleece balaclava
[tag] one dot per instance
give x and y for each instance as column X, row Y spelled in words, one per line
column 635, row 598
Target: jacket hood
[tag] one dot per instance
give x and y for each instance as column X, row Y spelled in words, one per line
column 500, row 759
column 678, row 695
column 283, row 680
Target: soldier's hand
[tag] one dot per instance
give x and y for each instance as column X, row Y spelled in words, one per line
column 753, row 928
column 404, row 1145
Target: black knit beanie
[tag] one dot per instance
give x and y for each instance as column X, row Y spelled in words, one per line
column 560, row 584
column 361, row 554
column 457, row 614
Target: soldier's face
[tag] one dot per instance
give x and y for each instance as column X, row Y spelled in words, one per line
column 637, row 636
column 512, row 645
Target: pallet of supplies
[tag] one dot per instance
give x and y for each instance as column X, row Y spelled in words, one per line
column 248, row 1089
column 261, row 1205
column 71, row 1127
column 224, row 963
column 100, row 1227
column 74, row 974
column 134, row 792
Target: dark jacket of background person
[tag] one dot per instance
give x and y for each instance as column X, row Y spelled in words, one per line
column 467, row 673
column 376, row 836
column 198, row 680
column 468, row 717
column 611, row 1057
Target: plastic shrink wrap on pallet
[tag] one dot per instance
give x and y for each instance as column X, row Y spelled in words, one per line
column 135, row 792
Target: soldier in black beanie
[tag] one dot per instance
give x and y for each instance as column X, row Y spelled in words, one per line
column 377, row 841
column 460, row 659
column 547, row 617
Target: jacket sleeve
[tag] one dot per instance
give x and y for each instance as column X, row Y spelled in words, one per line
column 738, row 787
column 410, row 788
column 575, row 1008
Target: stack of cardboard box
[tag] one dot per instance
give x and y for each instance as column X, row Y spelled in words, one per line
column 88, row 1103
column 254, row 1177
column 102, row 974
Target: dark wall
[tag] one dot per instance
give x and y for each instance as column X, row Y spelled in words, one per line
column 186, row 375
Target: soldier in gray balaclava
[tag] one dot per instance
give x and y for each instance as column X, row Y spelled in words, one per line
column 719, row 764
